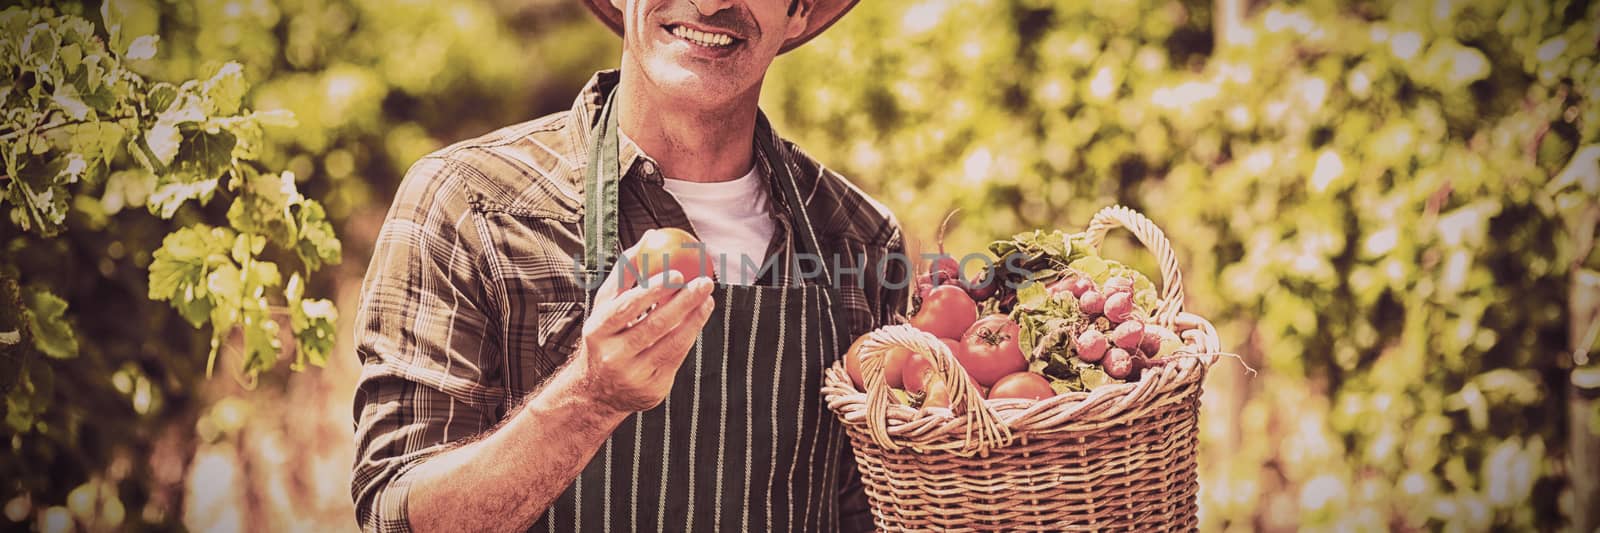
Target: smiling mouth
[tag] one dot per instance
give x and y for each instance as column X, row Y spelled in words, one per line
column 701, row 38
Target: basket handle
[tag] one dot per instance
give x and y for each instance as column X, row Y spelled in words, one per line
column 1171, row 301
column 984, row 430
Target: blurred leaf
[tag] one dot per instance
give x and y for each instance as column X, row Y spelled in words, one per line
column 142, row 48
column 47, row 324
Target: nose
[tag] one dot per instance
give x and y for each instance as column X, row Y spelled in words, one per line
column 710, row 7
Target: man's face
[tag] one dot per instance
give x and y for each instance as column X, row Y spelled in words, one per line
column 707, row 50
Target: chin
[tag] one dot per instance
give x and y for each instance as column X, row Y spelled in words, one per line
column 700, row 83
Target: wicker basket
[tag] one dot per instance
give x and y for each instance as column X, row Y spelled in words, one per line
column 1119, row 458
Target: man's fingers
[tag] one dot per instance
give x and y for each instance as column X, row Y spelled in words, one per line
column 670, row 313
column 616, row 314
column 668, row 353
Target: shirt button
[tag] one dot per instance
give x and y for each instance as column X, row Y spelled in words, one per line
column 648, row 167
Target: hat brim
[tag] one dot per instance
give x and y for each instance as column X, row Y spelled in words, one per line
column 823, row 14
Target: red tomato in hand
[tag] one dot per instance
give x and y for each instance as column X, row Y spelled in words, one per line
column 990, row 350
column 667, row 248
column 1025, row 385
column 946, row 312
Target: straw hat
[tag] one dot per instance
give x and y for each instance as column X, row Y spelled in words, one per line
column 823, row 14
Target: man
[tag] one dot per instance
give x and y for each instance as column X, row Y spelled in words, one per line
column 497, row 393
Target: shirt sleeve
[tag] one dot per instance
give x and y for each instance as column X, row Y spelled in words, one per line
column 425, row 337
column 893, row 294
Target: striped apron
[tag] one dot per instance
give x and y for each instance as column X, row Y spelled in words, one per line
column 743, row 440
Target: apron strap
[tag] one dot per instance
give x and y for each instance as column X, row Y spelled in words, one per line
column 600, row 239
column 791, row 194
column 600, row 196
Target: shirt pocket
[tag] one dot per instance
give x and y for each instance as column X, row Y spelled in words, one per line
column 558, row 328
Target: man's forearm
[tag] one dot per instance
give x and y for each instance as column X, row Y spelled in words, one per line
column 506, row 480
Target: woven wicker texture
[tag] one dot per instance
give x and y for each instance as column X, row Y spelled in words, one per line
column 1118, row 458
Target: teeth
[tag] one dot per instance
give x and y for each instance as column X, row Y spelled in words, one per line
column 702, row 38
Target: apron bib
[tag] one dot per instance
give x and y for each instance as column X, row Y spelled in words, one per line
column 743, row 441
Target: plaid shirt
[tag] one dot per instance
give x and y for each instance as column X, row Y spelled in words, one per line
column 472, row 298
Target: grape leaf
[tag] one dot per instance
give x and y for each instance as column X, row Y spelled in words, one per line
column 317, row 244
column 224, row 92
column 261, row 344
column 33, row 394
column 170, row 194
column 203, row 155
column 313, row 322
column 66, row 96
column 262, row 205
column 162, row 141
column 161, row 96
column 38, row 198
column 47, row 324
column 181, row 268
column 142, row 48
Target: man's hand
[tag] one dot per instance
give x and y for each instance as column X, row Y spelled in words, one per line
column 629, row 362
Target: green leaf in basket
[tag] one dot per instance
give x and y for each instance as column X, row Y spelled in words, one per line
column 901, row 396
column 1060, row 366
column 1146, row 299
column 1032, row 295
column 1094, row 267
column 1037, row 366
column 1063, row 386
column 1027, row 331
column 1093, row 376
column 1141, row 283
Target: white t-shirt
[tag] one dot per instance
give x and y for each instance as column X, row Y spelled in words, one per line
column 731, row 218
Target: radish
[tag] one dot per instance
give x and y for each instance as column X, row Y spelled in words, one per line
column 945, row 269
column 1092, row 345
column 1153, row 335
column 1078, row 286
column 1118, row 363
column 1118, row 284
column 1092, row 303
column 1119, row 307
column 1128, row 335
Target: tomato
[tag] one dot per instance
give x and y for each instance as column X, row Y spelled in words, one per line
column 917, row 370
column 1025, row 385
column 938, row 394
column 946, row 312
column 852, row 363
column 990, row 350
column 894, row 362
column 667, row 248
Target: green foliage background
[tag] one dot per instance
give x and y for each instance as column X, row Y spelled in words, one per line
column 1379, row 203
